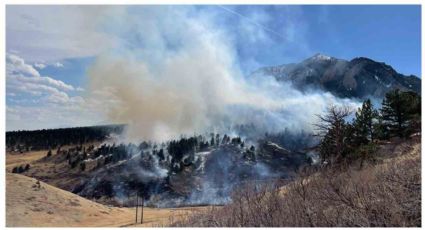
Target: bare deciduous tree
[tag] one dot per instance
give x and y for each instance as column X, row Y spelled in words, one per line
column 333, row 129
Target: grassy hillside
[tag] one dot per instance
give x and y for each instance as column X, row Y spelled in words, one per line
column 30, row 205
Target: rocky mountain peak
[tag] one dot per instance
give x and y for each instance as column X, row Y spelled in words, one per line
column 359, row 78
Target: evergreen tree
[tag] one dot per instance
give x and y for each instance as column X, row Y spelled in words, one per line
column 398, row 110
column 212, row 143
column 380, row 129
column 49, row 153
column 83, row 166
column 224, row 141
column 161, row 154
column 364, row 123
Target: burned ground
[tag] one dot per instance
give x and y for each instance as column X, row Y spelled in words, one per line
column 113, row 173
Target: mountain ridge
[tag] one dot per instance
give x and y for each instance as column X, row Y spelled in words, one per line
column 360, row 77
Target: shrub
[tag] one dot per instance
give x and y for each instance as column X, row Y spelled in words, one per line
column 384, row 195
column 49, row 153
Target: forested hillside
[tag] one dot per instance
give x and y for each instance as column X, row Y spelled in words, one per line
column 52, row 138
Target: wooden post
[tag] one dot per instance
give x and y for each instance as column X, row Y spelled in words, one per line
column 137, row 204
column 143, row 204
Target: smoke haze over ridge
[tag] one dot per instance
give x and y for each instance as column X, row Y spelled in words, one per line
column 193, row 83
column 59, row 43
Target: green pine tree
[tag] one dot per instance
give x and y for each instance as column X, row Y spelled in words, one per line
column 364, row 122
column 398, row 110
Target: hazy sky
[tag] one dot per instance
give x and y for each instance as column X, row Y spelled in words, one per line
column 50, row 49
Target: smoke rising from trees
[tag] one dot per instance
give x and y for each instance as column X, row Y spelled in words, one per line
column 180, row 75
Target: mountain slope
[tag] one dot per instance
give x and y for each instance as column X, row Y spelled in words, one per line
column 205, row 176
column 358, row 78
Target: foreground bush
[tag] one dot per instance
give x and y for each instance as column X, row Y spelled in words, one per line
column 387, row 194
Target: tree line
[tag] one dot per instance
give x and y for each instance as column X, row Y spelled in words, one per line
column 170, row 154
column 345, row 140
column 22, row 141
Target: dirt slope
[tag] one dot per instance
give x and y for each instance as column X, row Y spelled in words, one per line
column 30, row 205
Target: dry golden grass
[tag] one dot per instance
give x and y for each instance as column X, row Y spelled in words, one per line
column 386, row 194
column 17, row 159
column 54, row 171
column 47, row 206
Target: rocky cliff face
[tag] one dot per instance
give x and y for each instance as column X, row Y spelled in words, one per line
column 358, row 78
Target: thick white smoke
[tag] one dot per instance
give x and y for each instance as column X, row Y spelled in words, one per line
column 180, row 75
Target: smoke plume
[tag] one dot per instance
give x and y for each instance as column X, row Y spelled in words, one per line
column 179, row 75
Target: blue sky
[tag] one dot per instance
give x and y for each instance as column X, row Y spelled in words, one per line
column 389, row 34
column 51, row 49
